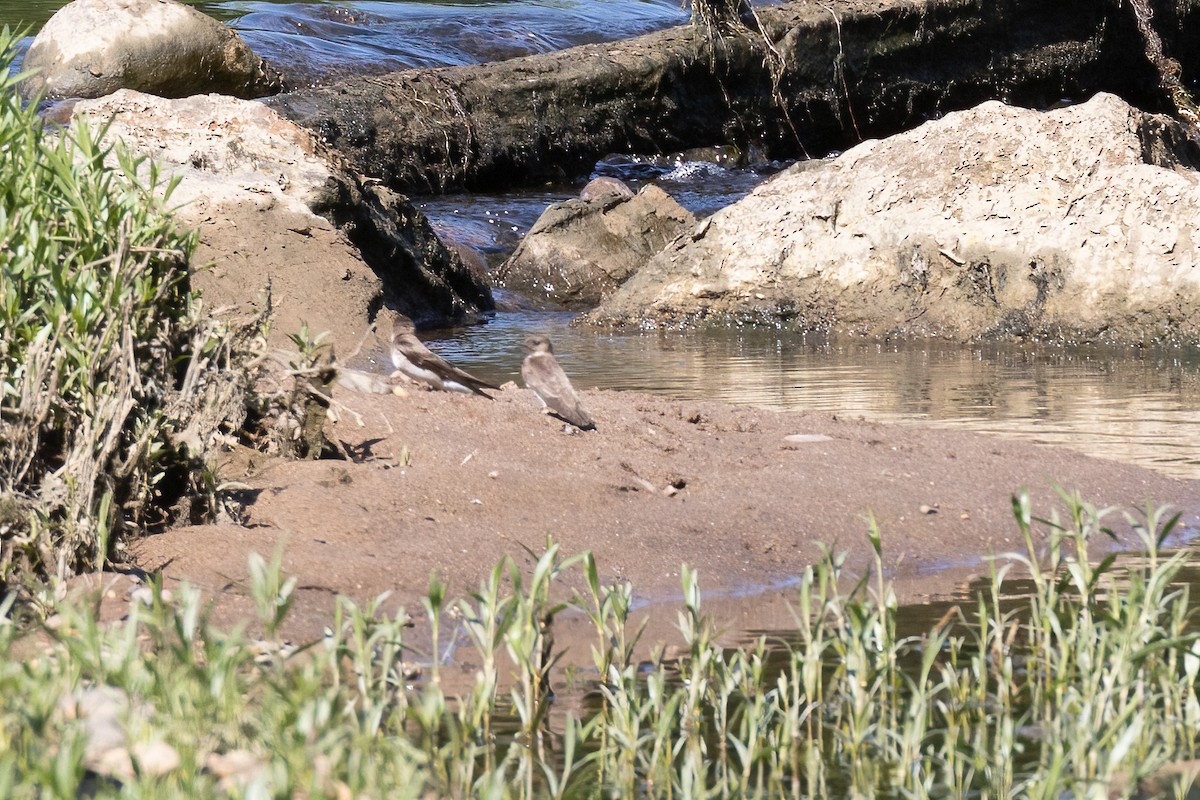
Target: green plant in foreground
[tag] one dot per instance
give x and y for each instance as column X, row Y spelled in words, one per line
column 111, row 383
column 1083, row 685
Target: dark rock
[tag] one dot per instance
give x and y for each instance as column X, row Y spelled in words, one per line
column 819, row 77
column 579, row 251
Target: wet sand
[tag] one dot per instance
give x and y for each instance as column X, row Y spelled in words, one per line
column 451, row 484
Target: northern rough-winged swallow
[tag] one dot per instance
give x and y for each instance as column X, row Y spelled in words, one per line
column 418, row 362
column 546, row 378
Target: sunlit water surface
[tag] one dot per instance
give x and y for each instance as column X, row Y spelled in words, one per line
column 316, row 41
column 1131, row 405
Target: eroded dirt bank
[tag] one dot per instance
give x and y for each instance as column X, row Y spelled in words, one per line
column 452, row 484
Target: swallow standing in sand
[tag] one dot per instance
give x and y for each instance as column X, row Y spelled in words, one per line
column 546, row 378
column 418, row 362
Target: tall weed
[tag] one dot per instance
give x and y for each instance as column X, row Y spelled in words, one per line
column 111, row 382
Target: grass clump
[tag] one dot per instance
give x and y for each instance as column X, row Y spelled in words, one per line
column 110, row 381
column 1083, row 684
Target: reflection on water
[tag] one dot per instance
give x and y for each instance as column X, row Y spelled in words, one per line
column 1126, row 404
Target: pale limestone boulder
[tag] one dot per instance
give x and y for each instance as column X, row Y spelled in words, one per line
column 223, row 149
column 1078, row 223
column 273, row 208
column 91, row 48
column 580, row 251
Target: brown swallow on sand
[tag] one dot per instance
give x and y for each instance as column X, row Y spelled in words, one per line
column 418, row 362
column 546, row 378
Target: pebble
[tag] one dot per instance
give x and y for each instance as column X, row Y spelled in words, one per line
column 145, row 596
column 114, row 762
column 156, row 758
column 807, row 437
column 235, row 769
column 106, row 752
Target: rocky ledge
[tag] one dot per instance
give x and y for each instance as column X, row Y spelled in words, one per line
column 1072, row 224
column 275, row 210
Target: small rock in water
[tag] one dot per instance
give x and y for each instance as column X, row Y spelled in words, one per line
column 580, row 251
column 604, row 188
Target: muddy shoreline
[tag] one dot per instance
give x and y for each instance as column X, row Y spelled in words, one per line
column 451, row 484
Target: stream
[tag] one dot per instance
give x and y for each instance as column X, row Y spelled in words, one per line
column 320, row 41
column 1136, row 405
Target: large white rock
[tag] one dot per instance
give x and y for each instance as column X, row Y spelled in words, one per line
column 1000, row 221
column 91, row 48
column 222, row 149
column 273, row 208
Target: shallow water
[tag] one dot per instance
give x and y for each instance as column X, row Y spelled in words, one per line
column 1135, row 405
column 1138, row 406
column 315, row 41
column 493, row 224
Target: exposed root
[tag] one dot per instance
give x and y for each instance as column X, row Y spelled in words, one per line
column 1168, row 69
column 717, row 20
column 839, row 71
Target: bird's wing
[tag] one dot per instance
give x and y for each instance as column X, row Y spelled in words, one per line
column 544, row 376
column 421, row 356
